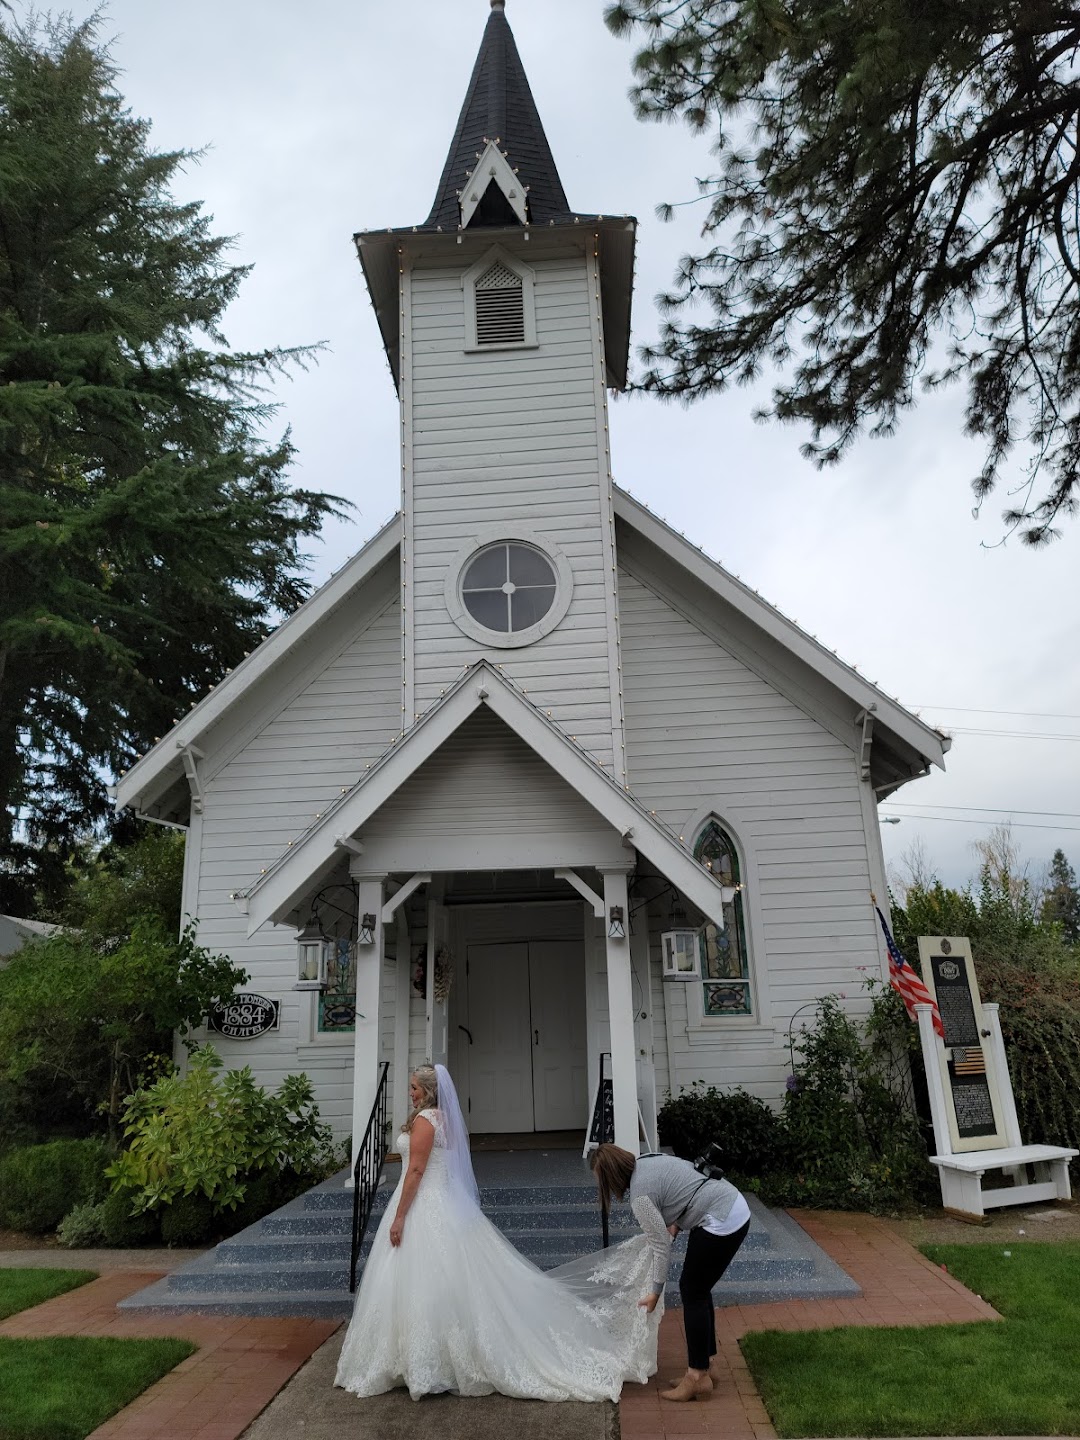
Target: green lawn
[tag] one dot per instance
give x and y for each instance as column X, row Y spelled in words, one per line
column 19, row 1289
column 1019, row 1377
column 62, row 1389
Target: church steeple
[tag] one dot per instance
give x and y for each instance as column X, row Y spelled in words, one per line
column 505, row 317
column 500, row 181
column 499, row 109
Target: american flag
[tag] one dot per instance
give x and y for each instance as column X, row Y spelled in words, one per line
column 906, row 982
column 968, row 1060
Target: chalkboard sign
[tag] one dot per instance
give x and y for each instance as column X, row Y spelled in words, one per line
column 602, row 1124
column 950, row 975
column 244, row 1016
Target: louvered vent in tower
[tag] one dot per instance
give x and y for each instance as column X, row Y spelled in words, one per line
column 500, row 307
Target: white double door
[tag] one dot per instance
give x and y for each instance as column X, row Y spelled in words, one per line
column 527, row 1054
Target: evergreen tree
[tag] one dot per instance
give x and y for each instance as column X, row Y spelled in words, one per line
column 897, row 198
column 148, row 537
column 1061, row 904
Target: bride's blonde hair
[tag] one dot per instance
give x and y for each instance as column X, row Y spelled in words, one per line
column 425, row 1077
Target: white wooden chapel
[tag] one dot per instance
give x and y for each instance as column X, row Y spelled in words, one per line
column 531, row 778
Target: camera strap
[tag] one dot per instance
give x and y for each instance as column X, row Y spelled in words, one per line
column 658, row 1155
column 693, row 1197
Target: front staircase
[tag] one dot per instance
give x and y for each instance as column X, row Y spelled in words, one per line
column 296, row 1260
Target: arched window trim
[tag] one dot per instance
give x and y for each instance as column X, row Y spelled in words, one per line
column 761, row 1018
column 497, row 255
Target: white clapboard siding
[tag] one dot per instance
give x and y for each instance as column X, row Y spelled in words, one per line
column 704, row 730
column 483, row 781
column 503, row 436
column 294, row 759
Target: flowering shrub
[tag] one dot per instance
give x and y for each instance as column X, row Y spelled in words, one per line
column 210, row 1134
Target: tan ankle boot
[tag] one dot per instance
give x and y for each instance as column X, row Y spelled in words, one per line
column 690, row 1387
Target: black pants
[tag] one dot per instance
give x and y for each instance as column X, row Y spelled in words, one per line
column 707, row 1257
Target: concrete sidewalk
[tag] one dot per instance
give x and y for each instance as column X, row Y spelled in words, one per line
column 311, row 1407
column 100, row 1260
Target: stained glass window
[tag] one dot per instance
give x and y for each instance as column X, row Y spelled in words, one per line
column 337, row 1003
column 725, row 961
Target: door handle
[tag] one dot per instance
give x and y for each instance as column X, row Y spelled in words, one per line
column 467, row 1032
column 536, row 1037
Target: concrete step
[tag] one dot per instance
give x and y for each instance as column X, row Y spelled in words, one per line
column 279, row 1250
column 579, row 1218
column 331, row 1195
column 296, row 1261
column 308, row 1305
column 262, row 1272
column 313, row 1277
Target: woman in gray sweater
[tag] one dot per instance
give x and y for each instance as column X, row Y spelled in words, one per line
column 668, row 1195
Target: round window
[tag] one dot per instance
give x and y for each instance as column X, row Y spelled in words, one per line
column 508, row 587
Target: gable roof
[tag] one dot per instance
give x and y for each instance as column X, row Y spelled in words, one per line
column 912, row 733
column 499, row 106
column 161, row 770
column 281, row 886
column 162, row 767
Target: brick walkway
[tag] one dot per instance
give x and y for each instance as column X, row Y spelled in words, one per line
column 215, row 1394
column 242, row 1364
column 900, row 1287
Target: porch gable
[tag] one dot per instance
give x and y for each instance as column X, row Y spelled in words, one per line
column 276, row 893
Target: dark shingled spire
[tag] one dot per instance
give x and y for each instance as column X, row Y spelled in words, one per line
column 499, row 105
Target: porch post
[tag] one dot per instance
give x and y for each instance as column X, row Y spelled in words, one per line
column 621, row 1013
column 369, row 890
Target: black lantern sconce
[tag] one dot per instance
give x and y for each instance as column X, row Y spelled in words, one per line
column 616, row 925
column 366, row 933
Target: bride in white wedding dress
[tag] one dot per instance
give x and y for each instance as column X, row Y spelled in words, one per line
column 447, row 1304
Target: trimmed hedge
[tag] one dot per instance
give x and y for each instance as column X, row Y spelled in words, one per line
column 749, row 1130
column 39, row 1184
column 846, row 1136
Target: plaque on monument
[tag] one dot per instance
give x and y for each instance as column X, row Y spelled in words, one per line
column 974, row 1114
column 953, row 995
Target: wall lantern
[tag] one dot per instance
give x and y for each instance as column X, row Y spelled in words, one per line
column 681, row 955
column 616, row 927
column 311, row 953
column 366, row 933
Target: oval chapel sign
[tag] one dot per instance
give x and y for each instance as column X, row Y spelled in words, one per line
column 244, row 1016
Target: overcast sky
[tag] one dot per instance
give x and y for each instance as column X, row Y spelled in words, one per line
column 335, row 116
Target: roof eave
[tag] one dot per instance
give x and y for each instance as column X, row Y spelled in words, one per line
column 379, row 259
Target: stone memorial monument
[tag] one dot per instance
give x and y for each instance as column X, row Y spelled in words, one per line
column 976, row 1131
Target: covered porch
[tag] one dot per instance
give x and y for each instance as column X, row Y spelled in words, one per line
column 482, row 874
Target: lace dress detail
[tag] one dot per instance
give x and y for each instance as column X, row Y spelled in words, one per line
column 456, row 1308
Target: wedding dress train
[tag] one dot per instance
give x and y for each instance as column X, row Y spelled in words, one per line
column 456, row 1308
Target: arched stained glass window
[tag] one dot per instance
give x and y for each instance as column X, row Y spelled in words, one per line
column 725, row 959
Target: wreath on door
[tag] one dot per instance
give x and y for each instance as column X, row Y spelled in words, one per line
column 444, row 973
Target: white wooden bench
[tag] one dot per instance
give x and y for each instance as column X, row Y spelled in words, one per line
column 963, row 1192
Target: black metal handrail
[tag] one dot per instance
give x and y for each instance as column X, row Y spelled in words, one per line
column 368, row 1168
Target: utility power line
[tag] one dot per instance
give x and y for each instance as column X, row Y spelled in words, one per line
column 1008, row 734
column 1007, row 810
column 963, row 820
column 1018, row 714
